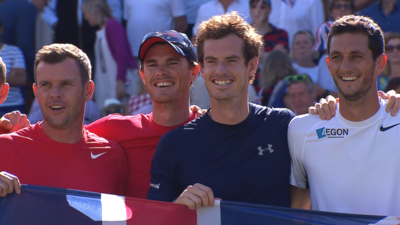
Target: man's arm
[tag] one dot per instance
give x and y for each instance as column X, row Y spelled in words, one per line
column 9, row 183
column 300, row 198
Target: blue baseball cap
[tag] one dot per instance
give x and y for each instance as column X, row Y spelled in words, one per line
column 179, row 41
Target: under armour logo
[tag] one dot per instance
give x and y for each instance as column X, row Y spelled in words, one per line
column 261, row 150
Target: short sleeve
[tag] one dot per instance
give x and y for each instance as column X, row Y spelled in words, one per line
column 298, row 175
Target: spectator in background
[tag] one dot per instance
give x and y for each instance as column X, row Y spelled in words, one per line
column 65, row 17
column 386, row 13
column 301, row 93
column 337, row 8
column 274, row 38
column 392, row 69
column 302, row 54
column 192, row 8
column 394, row 84
column 144, row 16
column 111, row 106
column 19, row 22
column 276, row 67
column 295, row 15
column 15, row 76
column 218, row 7
column 112, row 53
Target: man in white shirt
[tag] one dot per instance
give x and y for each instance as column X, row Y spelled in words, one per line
column 351, row 161
column 218, row 7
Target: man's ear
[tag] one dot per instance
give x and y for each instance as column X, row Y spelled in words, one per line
column 252, row 65
column 380, row 64
column 4, row 92
column 195, row 72
column 89, row 90
column 328, row 64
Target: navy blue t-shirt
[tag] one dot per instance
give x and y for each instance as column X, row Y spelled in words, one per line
column 247, row 162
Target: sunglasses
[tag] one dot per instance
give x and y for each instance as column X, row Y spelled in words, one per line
column 179, row 39
column 391, row 48
column 298, row 79
column 340, row 6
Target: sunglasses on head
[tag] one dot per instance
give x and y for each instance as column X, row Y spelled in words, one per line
column 339, row 6
column 173, row 37
column 298, row 79
column 391, row 48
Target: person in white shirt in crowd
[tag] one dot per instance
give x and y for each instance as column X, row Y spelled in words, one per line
column 144, row 16
column 295, row 15
column 218, row 7
column 192, row 8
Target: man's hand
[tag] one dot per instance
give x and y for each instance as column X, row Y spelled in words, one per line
column 14, row 121
column 326, row 108
column 9, row 183
column 393, row 103
column 196, row 109
column 196, row 196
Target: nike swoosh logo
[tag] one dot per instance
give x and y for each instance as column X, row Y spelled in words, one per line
column 96, row 156
column 383, row 129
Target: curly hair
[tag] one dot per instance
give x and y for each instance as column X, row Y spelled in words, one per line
column 221, row 26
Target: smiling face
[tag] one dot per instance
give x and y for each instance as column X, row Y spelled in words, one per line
column 224, row 69
column 166, row 74
column 352, row 67
column 60, row 93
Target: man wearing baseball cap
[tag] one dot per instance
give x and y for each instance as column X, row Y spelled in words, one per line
column 168, row 68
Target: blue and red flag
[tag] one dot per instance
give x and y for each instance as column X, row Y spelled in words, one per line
column 48, row 205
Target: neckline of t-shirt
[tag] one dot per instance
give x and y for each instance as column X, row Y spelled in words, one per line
column 37, row 128
column 366, row 122
column 161, row 128
column 252, row 109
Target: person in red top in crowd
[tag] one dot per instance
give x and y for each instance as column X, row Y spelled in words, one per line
column 58, row 151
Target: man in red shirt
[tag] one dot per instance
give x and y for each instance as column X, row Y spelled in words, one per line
column 168, row 68
column 59, row 152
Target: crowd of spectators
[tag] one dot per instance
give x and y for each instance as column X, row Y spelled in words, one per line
column 110, row 32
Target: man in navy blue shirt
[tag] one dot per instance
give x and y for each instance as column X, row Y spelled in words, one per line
column 237, row 151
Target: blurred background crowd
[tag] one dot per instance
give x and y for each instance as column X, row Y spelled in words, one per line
column 292, row 68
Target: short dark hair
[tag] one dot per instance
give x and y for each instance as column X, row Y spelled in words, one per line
column 363, row 25
column 3, row 72
column 57, row 53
